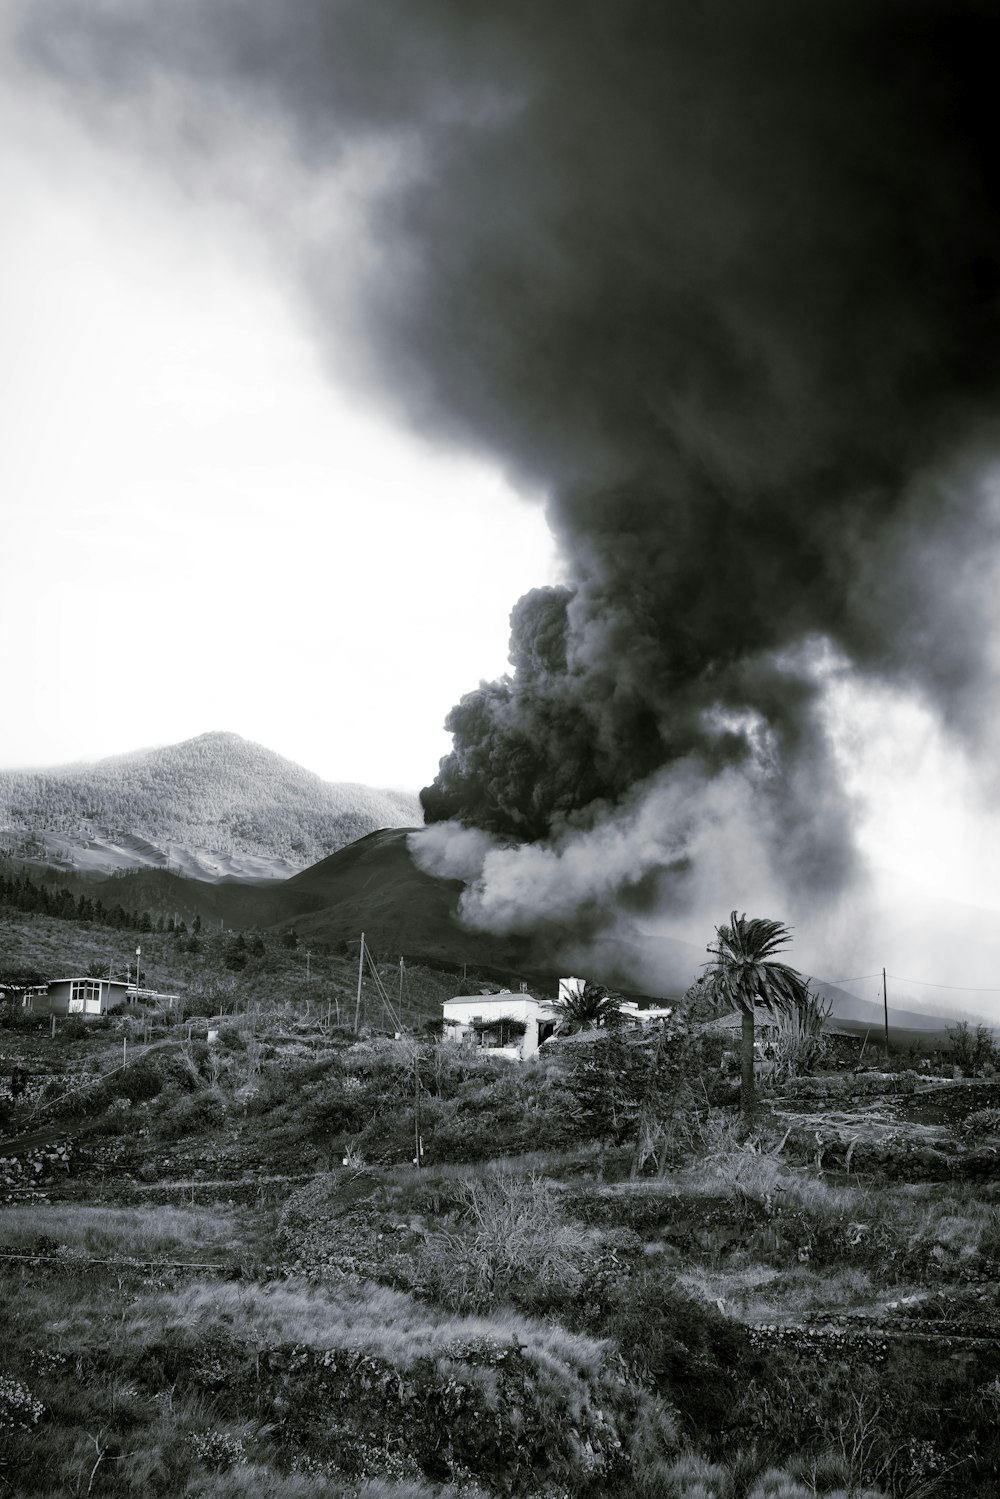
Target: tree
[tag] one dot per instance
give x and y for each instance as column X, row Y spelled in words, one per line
column 235, row 955
column 588, row 1008
column 744, row 973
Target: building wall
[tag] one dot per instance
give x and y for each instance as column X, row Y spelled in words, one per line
column 79, row 997
column 537, row 1016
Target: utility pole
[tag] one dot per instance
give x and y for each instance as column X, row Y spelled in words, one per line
column 361, row 969
column 416, row 1108
column 307, row 965
column 401, row 974
column 885, row 1006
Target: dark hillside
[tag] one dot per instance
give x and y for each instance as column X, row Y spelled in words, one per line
column 375, row 887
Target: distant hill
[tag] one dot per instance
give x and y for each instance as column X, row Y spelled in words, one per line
column 216, row 807
column 862, row 1013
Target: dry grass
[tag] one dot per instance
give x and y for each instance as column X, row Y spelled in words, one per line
column 264, row 1483
column 385, row 1323
column 690, row 1476
column 402, row 1182
column 178, row 1233
column 757, row 1295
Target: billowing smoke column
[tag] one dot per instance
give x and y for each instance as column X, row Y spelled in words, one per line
column 722, row 281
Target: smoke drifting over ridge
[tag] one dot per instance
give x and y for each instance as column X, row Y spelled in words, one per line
column 722, row 282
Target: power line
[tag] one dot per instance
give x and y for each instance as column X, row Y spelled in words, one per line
column 960, row 988
column 924, row 983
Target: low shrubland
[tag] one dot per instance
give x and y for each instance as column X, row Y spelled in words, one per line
column 168, row 1382
column 599, row 1281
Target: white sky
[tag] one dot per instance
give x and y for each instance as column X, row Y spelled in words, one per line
column 201, row 532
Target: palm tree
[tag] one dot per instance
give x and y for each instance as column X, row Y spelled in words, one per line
column 744, row 973
column 589, row 1007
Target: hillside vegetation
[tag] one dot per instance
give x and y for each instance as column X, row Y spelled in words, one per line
column 600, row 1286
column 218, row 794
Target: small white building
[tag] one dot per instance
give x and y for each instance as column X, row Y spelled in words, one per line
column 507, row 1025
column 631, row 1012
column 652, row 1015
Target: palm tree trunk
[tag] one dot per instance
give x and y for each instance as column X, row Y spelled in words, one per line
column 746, row 1064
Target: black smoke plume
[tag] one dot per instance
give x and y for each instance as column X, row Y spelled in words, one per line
column 721, row 280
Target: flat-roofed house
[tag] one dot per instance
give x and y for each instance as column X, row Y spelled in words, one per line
column 81, row 996
column 507, row 1025
column 89, row 996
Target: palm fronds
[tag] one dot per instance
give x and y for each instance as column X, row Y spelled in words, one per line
column 744, row 971
column 588, row 1008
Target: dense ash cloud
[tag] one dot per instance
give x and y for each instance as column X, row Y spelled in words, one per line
column 720, row 280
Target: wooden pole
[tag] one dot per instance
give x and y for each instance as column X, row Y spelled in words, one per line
column 361, row 969
column 746, row 1061
column 416, row 1107
column 885, row 1005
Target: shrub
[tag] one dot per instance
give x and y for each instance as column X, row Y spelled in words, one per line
column 73, row 1028
column 218, row 1449
column 14, row 1018
column 981, row 1122
column 190, row 1114
column 972, row 1050
column 510, row 1233
column 19, row 1410
column 800, row 1044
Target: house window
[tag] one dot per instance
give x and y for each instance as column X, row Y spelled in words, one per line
column 85, row 997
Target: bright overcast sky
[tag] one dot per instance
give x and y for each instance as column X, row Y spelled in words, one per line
column 201, row 531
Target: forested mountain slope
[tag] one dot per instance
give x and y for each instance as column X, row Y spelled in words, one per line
column 214, row 807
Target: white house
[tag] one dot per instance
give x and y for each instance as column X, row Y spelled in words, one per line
column 507, row 1025
column 516, row 1025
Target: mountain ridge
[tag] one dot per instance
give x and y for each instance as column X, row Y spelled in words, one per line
column 213, row 807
